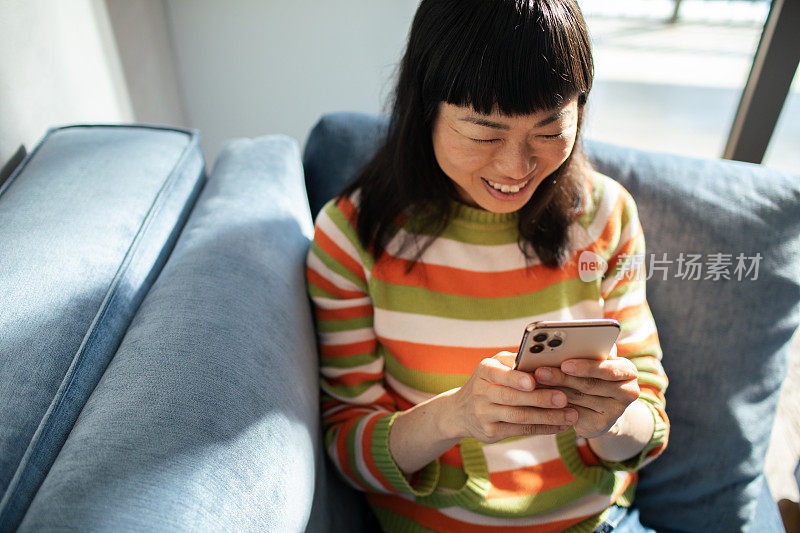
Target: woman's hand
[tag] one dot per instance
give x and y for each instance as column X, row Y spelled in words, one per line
column 498, row 402
column 600, row 391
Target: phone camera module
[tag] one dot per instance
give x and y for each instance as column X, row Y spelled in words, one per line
column 536, row 348
column 554, row 343
column 541, row 337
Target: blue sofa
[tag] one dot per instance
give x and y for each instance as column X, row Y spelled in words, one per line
column 157, row 356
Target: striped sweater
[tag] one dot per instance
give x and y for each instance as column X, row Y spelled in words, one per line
column 390, row 339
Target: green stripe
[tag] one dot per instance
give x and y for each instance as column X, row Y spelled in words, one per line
column 422, row 301
column 620, row 290
column 429, row 382
column 596, row 196
column 337, row 267
column 451, row 477
column 341, row 222
column 646, row 363
column 316, row 292
column 347, row 324
column 347, row 391
column 348, row 362
column 653, row 380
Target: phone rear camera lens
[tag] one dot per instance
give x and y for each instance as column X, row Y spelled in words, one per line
column 541, row 337
column 554, row 342
column 536, row 348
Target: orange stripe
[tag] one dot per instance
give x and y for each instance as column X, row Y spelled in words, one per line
column 348, row 210
column 625, row 348
column 625, row 249
column 341, row 452
column 440, row 359
column 432, row 519
column 451, row 280
column 588, row 456
column 355, row 378
column 346, row 350
column 528, row 480
column 335, row 251
column 321, row 282
column 369, row 460
column 344, row 313
column 345, row 414
column 630, row 311
column 452, row 457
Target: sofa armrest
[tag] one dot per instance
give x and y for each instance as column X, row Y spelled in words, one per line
column 207, row 416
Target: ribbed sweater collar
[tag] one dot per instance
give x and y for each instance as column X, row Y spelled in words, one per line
column 475, row 215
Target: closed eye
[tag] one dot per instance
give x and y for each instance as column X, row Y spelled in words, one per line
column 484, row 140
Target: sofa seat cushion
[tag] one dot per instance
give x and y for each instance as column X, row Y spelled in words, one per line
column 725, row 341
column 86, row 223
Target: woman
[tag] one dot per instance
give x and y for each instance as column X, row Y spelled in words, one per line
column 467, row 225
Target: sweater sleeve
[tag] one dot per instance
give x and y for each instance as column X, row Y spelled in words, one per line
column 623, row 292
column 357, row 410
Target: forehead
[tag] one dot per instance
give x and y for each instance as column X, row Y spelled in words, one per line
column 467, row 114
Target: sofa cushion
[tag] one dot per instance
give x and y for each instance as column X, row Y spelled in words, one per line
column 207, row 418
column 725, row 341
column 86, row 223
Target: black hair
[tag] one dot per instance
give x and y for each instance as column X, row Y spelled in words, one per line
column 515, row 56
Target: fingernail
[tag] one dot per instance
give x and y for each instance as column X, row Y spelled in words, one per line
column 569, row 366
column 559, row 400
column 525, row 382
column 572, row 417
column 545, row 374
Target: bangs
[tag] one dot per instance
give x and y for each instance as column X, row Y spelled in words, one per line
column 511, row 56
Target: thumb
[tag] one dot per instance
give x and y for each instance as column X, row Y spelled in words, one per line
column 507, row 358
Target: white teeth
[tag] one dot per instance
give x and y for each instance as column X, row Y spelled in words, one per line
column 508, row 189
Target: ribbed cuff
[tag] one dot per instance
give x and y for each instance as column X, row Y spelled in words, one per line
column 426, row 479
column 659, row 436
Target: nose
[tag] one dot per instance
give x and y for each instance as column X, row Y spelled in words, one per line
column 516, row 161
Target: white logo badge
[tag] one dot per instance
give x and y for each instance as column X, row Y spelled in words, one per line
column 591, row 266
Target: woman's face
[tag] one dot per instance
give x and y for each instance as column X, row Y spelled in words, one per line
column 497, row 161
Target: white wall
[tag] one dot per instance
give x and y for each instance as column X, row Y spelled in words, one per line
column 58, row 65
column 254, row 67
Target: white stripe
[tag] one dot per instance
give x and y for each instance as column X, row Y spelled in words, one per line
column 630, row 298
column 583, row 507
column 335, row 303
column 602, row 215
column 452, row 253
column 410, row 394
column 521, row 453
column 359, row 453
column 316, row 264
column 348, row 336
column 367, row 397
column 441, row 331
column 335, row 372
column 637, row 335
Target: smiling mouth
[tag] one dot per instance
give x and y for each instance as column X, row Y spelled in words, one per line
column 507, row 189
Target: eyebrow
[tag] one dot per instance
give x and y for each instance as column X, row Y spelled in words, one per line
column 500, row 126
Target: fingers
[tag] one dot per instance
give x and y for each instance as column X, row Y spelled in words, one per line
column 521, row 415
column 494, row 371
column 587, row 391
column 504, row 430
column 548, row 398
column 616, row 369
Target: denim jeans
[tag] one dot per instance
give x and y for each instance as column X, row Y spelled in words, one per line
column 623, row 520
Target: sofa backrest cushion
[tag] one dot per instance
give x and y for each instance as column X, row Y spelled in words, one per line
column 725, row 341
column 86, row 223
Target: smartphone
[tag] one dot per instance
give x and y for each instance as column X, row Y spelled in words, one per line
column 549, row 342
